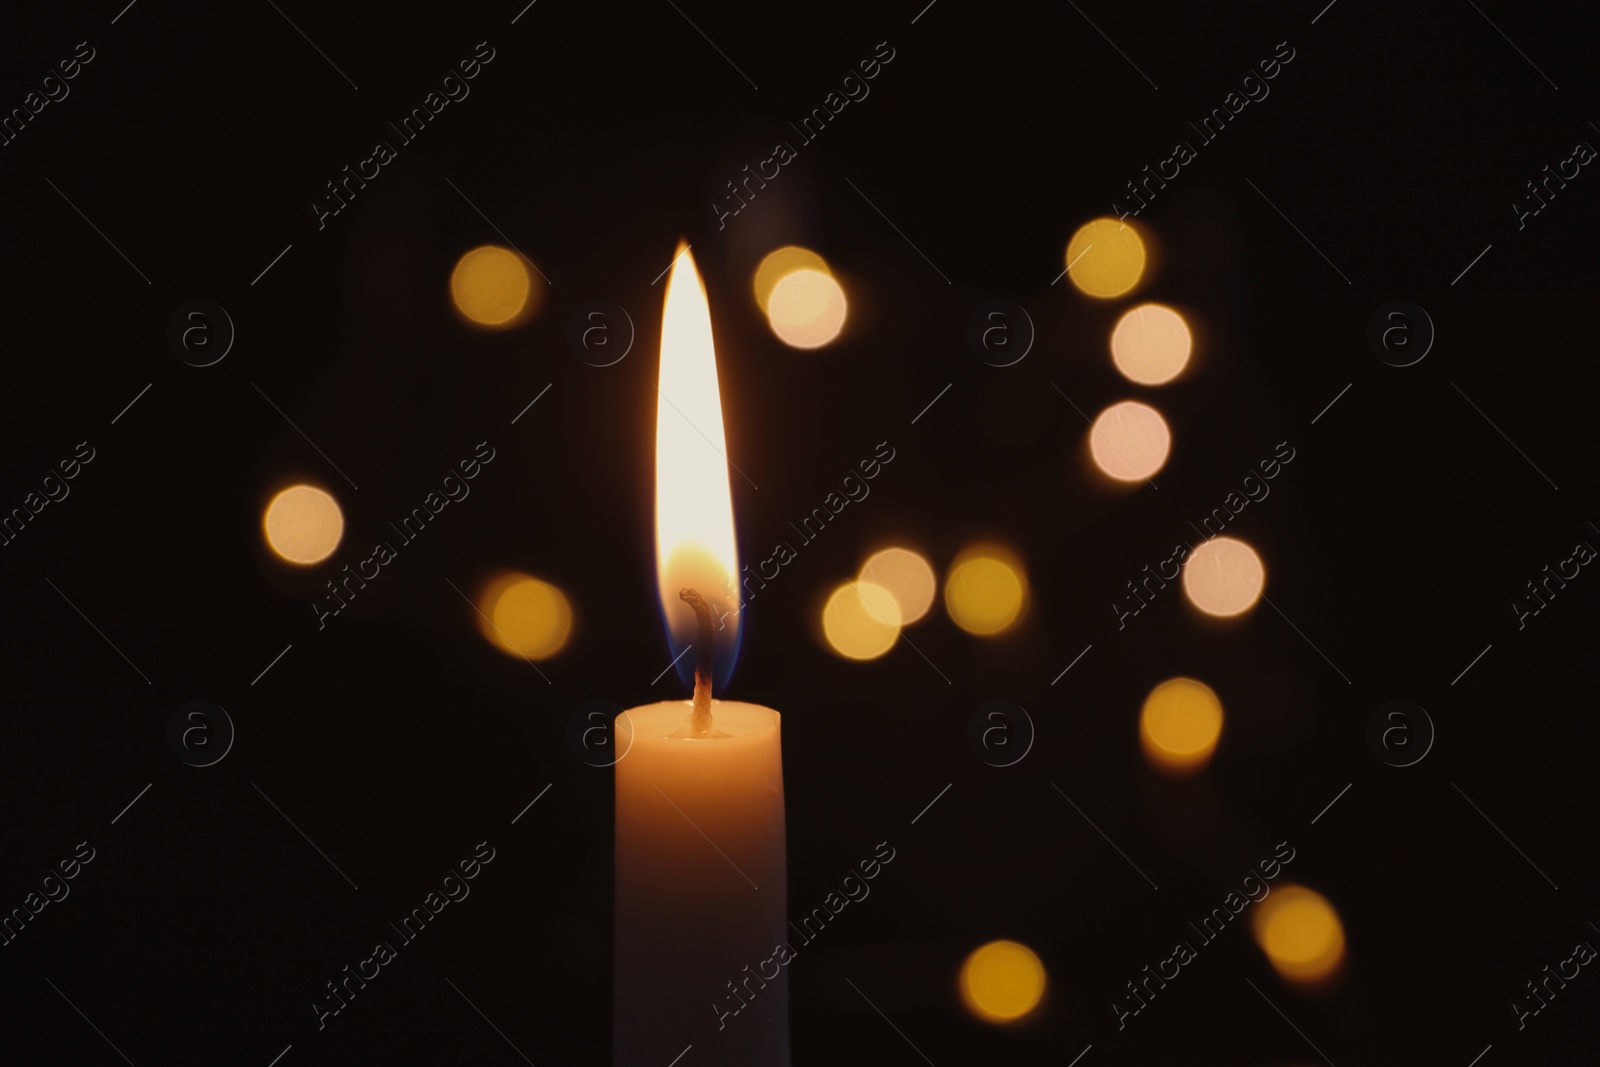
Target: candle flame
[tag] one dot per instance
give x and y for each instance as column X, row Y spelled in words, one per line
column 695, row 546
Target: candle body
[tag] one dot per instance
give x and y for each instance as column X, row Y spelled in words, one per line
column 701, row 902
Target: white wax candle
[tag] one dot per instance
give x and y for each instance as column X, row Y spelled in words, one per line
column 701, row 888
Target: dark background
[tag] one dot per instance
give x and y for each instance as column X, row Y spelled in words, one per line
column 396, row 738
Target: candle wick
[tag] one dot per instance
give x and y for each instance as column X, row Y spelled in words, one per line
column 704, row 642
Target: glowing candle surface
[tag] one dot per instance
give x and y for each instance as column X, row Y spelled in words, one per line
column 701, row 868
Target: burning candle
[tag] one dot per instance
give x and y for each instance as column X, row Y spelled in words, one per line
column 701, row 870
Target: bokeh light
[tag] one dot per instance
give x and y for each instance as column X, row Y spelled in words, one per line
column 1130, row 441
column 1179, row 727
column 1105, row 258
column 1151, row 344
column 303, row 524
column 807, row 308
column 1301, row 934
column 1002, row 982
column 908, row 577
column 524, row 616
column 493, row 287
column 780, row 262
column 861, row 620
column 985, row 590
column 1224, row 576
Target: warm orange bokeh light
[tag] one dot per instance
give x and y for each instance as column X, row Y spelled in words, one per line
column 1301, row 934
column 303, row 524
column 494, row 288
column 1130, row 441
column 524, row 616
column 778, row 264
column 908, row 577
column 985, row 590
column 1179, row 727
column 1105, row 258
column 861, row 620
column 807, row 308
column 1224, row 577
column 1150, row 344
column 1002, row 982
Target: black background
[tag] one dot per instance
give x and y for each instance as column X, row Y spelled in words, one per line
column 599, row 135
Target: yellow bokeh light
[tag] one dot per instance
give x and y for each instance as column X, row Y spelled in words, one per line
column 1002, row 982
column 1179, row 727
column 908, row 577
column 781, row 262
column 493, row 287
column 861, row 620
column 1301, row 934
column 1105, row 258
column 807, row 308
column 1130, row 441
column 1223, row 577
column 524, row 616
column 1151, row 344
column 303, row 524
column 985, row 591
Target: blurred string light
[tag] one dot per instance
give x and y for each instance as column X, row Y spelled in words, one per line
column 1301, row 934
column 985, row 590
column 1151, row 344
column 861, row 620
column 1105, row 258
column 1002, row 982
column 303, row 524
column 907, row 576
column 1129, row 441
column 1223, row 577
column 1179, row 727
column 805, row 305
column 493, row 288
column 524, row 616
